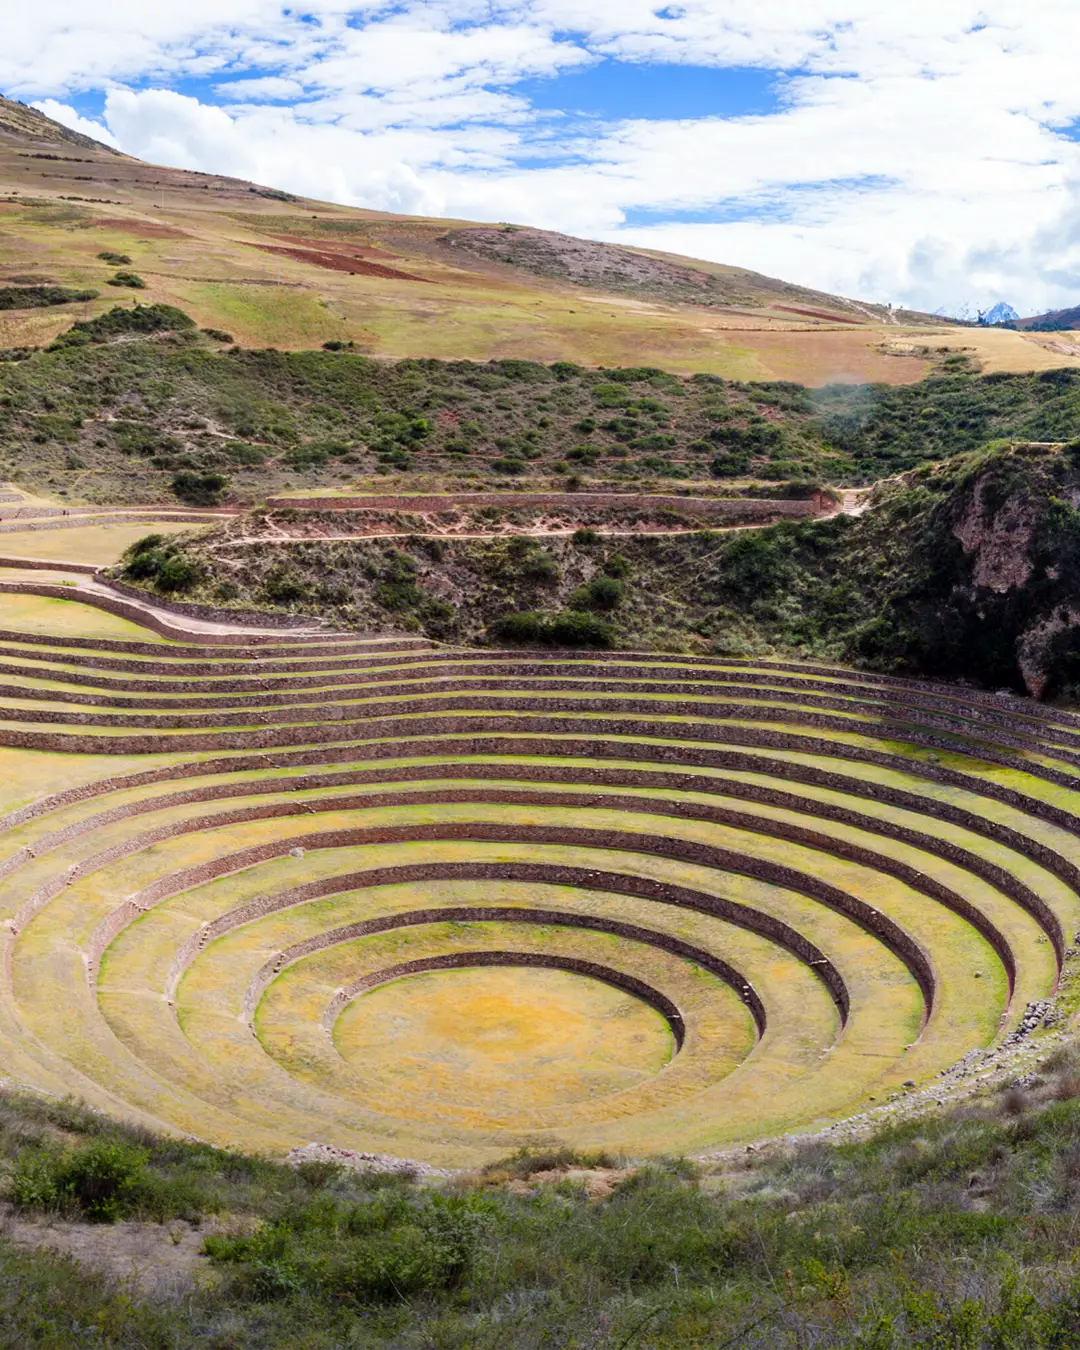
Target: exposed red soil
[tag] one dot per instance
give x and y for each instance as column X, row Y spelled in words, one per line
column 339, row 262
column 363, row 251
column 816, row 314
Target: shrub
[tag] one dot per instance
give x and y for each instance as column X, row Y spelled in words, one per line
column 177, row 573
column 540, row 568
column 585, row 538
column 218, row 335
column 145, row 564
column 284, row 587
column 120, row 320
column 116, row 259
column 573, row 628
column 139, row 438
column 41, row 297
column 617, row 566
column 246, row 455
column 130, row 279
column 526, row 626
column 200, row 489
column 397, row 589
column 392, row 1248
column 569, row 628
column 602, row 593
column 103, row 1180
column 508, row 466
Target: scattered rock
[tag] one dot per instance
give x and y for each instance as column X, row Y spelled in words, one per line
column 363, row 1162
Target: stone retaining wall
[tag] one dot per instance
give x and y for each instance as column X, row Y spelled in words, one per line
column 617, row 883
column 529, row 960
column 858, row 911
column 567, row 503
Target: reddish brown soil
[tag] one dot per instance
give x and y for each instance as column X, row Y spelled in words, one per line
column 816, row 314
column 338, row 262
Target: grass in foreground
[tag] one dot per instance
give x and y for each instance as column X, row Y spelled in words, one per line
column 958, row 1231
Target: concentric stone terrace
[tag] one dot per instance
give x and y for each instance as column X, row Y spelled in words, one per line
column 268, row 889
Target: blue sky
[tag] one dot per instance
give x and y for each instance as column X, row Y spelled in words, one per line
column 925, row 154
column 612, row 91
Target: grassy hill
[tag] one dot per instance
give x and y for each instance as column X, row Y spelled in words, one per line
column 139, row 400
column 271, row 269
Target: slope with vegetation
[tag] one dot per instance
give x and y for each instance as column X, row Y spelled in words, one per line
column 140, row 395
column 965, row 569
column 271, row 268
column 955, row 1231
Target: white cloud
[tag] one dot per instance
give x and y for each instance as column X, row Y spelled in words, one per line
column 69, row 118
column 918, row 157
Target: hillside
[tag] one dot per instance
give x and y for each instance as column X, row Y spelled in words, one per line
column 1055, row 321
column 963, row 570
column 139, row 401
column 274, row 270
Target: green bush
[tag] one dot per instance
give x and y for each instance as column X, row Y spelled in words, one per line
column 143, row 438
column 178, row 573
column 103, row 1180
column 540, row 568
column 603, row 593
column 116, row 259
column 568, row 628
column 397, row 589
column 526, row 626
column 144, row 565
column 200, row 489
column 130, row 279
column 218, row 335
column 283, row 586
column 41, row 297
column 394, row 1247
column 121, row 321
column 145, row 544
column 617, row 566
column 573, row 628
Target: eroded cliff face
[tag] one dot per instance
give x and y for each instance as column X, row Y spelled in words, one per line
column 1007, row 608
column 998, row 542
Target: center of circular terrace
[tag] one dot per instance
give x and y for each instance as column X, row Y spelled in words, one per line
column 501, row 1038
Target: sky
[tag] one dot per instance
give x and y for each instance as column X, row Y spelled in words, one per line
column 923, row 153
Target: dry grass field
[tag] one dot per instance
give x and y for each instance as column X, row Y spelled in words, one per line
column 271, row 270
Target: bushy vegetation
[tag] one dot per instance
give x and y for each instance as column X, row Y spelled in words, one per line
column 200, row 489
column 900, row 588
column 120, row 322
column 318, row 413
column 41, row 297
column 156, row 560
column 565, row 628
column 131, row 280
column 953, row 1232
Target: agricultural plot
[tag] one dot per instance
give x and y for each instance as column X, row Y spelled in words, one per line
column 269, row 888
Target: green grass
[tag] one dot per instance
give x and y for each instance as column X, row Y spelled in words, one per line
column 954, row 1231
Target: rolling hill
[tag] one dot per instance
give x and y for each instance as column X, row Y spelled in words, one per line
column 271, row 269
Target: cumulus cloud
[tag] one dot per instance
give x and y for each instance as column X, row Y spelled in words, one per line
column 69, row 118
column 921, row 152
